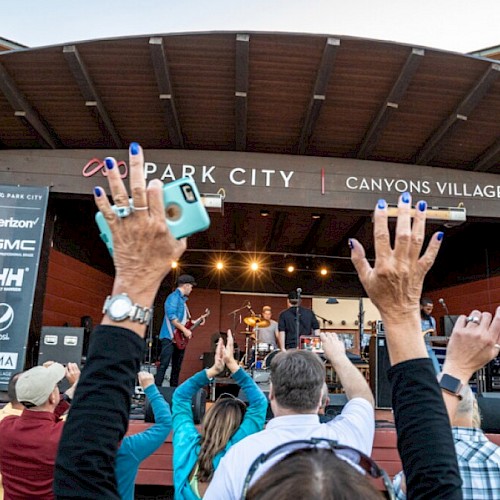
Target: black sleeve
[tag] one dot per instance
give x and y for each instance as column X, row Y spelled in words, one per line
column 98, row 420
column 425, row 442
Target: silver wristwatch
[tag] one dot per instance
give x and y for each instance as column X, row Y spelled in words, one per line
column 120, row 307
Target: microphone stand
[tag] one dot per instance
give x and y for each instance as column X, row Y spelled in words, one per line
column 297, row 318
column 361, row 323
column 329, row 321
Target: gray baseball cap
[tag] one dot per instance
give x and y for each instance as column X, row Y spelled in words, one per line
column 35, row 386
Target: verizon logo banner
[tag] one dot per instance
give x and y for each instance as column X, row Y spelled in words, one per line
column 22, row 219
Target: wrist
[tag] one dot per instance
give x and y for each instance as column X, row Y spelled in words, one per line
column 233, row 366
column 212, row 372
column 458, row 372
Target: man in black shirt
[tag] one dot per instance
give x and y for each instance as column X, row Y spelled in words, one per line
column 287, row 323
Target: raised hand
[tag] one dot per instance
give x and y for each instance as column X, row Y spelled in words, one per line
column 145, row 379
column 231, row 363
column 72, row 373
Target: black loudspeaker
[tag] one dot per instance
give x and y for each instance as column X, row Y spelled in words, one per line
column 198, row 404
column 489, row 407
column 61, row 344
column 269, row 414
column 379, row 364
column 447, row 323
column 335, row 406
column 493, row 375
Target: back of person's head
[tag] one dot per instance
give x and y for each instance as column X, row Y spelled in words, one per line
column 313, row 473
column 11, row 388
column 467, row 411
column 219, row 424
column 297, row 379
column 293, row 298
column 36, row 386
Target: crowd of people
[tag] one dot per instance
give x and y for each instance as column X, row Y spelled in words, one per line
column 232, row 455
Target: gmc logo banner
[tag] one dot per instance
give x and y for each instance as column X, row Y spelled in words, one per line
column 22, row 220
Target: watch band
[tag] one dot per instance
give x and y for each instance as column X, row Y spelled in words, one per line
column 452, row 385
column 135, row 313
column 141, row 314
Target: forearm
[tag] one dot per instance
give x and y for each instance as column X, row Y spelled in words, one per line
column 85, row 467
column 353, row 382
column 281, row 340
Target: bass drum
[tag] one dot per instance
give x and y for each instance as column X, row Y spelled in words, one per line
column 267, row 360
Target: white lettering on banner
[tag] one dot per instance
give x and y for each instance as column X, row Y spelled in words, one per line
column 207, row 174
column 24, row 245
column 149, row 168
column 34, row 197
column 188, row 171
column 18, row 223
column 4, row 336
column 8, row 360
column 11, row 279
column 233, row 180
column 268, row 173
column 167, row 173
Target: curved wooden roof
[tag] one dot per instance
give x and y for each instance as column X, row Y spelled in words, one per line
column 257, row 92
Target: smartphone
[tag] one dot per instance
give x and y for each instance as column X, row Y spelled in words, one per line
column 185, row 213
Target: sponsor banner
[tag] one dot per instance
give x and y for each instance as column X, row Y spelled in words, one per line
column 22, row 220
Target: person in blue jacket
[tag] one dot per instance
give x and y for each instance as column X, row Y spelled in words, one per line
column 134, row 449
column 197, row 453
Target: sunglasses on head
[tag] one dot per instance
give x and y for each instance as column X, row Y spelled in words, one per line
column 363, row 463
column 227, row 395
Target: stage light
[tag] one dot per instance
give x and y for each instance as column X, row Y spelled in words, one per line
column 220, row 265
column 316, row 216
column 254, row 266
column 264, row 213
column 323, row 271
column 290, row 268
column 174, row 264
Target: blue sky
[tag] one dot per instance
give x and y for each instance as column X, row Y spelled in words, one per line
column 457, row 25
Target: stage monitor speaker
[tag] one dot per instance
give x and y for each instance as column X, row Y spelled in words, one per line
column 198, row 404
column 243, row 397
column 493, row 375
column 379, row 364
column 61, row 344
column 447, row 323
column 489, row 407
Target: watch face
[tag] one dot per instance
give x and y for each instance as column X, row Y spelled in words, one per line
column 119, row 307
column 450, row 383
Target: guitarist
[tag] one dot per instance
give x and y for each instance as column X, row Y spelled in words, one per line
column 428, row 325
column 176, row 316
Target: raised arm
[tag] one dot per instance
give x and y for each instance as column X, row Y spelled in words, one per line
column 394, row 284
column 143, row 251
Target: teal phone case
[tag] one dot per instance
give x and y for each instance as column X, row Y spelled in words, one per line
column 185, row 214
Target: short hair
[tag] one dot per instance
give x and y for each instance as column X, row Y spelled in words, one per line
column 266, row 308
column 297, row 379
column 425, row 300
column 468, row 406
column 313, row 473
column 11, row 388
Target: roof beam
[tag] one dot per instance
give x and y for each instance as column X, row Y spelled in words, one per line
column 166, row 93
column 241, row 91
column 460, row 114
column 319, row 93
column 276, row 233
column 486, row 160
column 24, row 111
column 391, row 103
column 89, row 92
column 317, row 228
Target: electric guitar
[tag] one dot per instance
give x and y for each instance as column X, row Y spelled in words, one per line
column 182, row 341
column 425, row 332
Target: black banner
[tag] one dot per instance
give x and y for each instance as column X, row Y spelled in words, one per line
column 22, row 219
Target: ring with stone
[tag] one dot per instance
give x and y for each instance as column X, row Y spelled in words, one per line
column 497, row 346
column 473, row 319
column 123, row 212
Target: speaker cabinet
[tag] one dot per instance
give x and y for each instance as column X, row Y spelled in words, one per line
column 198, row 404
column 61, row 344
column 447, row 322
column 489, row 407
column 379, row 364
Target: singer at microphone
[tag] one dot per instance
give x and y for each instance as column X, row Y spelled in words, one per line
column 428, row 325
column 287, row 322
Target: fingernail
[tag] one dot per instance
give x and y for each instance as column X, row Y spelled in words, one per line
column 134, row 148
column 405, row 197
column 422, row 205
column 381, row 204
column 440, row 236
column 109, row 163
column 351, row 244
column 97, row 191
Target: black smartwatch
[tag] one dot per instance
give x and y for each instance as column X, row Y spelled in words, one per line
column 452, row 385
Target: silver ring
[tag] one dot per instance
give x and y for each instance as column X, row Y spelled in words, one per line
column 123, row 212
column 473, row 319
column 497, row 346
column 141, row 208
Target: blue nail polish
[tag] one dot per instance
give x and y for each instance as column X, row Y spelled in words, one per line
column 422, row 205
column 405, row 197
column 109, row 163
column 351, row 244
column 440, row 236
column 381, row 204
column 134, row 148
column 97, row 191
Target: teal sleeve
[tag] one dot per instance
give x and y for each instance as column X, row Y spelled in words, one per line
column 255, row 416
column 141, row 445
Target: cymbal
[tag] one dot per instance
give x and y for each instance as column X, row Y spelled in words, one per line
column 256, row 321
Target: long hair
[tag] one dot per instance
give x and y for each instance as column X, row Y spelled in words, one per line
column 313, row 473
column 221, row 421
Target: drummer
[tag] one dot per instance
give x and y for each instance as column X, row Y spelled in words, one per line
column 269, row 334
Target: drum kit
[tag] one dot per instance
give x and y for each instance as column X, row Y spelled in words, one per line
column 258, row 355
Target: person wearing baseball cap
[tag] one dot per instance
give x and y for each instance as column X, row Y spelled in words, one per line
column 177, row 317
column 29, row 442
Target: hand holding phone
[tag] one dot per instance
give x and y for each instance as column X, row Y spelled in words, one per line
column 185, row 214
